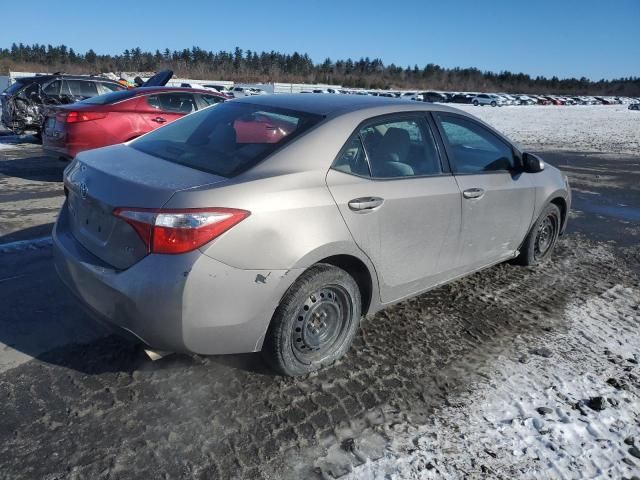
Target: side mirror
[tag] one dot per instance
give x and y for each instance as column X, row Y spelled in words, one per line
column 532, row 163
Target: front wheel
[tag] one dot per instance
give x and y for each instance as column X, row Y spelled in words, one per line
column 542, row 237
column 475, row 103
column 493, row 104
column 315, row 322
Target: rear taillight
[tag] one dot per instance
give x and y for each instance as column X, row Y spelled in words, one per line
column 76, row 117
column 179, row 231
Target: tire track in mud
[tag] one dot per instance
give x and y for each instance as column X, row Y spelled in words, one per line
column 103, row 411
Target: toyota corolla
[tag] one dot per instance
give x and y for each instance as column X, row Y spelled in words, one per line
column 274, row 223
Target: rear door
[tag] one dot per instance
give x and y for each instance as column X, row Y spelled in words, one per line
column 400, row 203
column 497, row 200
column 161, row 108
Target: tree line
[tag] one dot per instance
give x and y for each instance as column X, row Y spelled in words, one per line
column 251, row 66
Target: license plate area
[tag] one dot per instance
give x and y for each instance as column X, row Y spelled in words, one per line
column 53, row 128
column 90, row 218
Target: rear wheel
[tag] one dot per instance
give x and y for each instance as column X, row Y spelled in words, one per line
column 541, row 240
column 315, row 322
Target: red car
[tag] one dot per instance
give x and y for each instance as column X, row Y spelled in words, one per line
column 554, row 100
column 118, row 117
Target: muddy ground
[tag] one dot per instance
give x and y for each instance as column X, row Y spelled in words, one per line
column 408, row 401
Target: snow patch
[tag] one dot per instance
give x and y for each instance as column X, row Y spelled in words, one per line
column 533, row 419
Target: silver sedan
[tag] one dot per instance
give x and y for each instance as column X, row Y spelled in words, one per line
column 274, row 223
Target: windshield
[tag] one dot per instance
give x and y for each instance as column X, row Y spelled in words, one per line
column 108, row 98
column 228, row 139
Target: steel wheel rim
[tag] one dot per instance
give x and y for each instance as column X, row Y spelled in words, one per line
column 320, row 323
column 546, row 235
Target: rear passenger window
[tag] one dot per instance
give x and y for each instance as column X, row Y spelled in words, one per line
column 400, row 148
column 173, row 102
column 53, row 89
column 211, row 99
column 475, row 149
column 79, row 88
column 353, row 159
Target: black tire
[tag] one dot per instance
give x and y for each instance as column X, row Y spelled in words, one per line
column 493, row 104
column 315, row 323
column 541, row 239
column 475, row 103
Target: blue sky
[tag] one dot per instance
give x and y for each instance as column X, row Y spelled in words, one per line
column 569, row 38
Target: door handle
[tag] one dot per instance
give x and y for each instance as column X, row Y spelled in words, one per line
column 473, row 193
column 158, row 120
column 365, row 204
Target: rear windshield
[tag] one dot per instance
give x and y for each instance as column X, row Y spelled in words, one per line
column 228, row 139
column 109, row 98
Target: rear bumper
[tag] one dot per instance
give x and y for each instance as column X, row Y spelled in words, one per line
column 57, row 152
column 62, row 146
column 181, row 303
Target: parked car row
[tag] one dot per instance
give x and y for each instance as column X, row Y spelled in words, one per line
column 38, row 103
column 477, row 98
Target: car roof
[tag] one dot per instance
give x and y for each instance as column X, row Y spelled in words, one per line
column 44, row 78
column 147, row 90
column 326, row 104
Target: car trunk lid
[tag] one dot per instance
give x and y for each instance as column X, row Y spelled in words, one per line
column 101, row 180
column 55, row 120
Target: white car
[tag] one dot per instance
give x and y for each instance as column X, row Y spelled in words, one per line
column 193, row 85
column 526, row 100
column 488, row 99
column 239, row 92
column 408, row 95
column 509, row 100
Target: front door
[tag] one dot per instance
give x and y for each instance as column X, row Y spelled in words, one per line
column 497, row 199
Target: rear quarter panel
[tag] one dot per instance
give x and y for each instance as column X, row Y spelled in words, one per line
column 292, row 216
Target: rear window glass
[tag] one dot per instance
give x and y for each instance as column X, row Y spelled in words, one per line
column 79, row 88
column 226, row 140
column 108, row 98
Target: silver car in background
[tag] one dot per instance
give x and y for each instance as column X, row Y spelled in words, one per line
column 488, row 99
column 275, row 223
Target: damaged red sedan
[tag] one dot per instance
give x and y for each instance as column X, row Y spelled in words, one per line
column 118, row 117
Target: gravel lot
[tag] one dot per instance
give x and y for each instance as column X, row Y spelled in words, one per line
column 510, row 373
